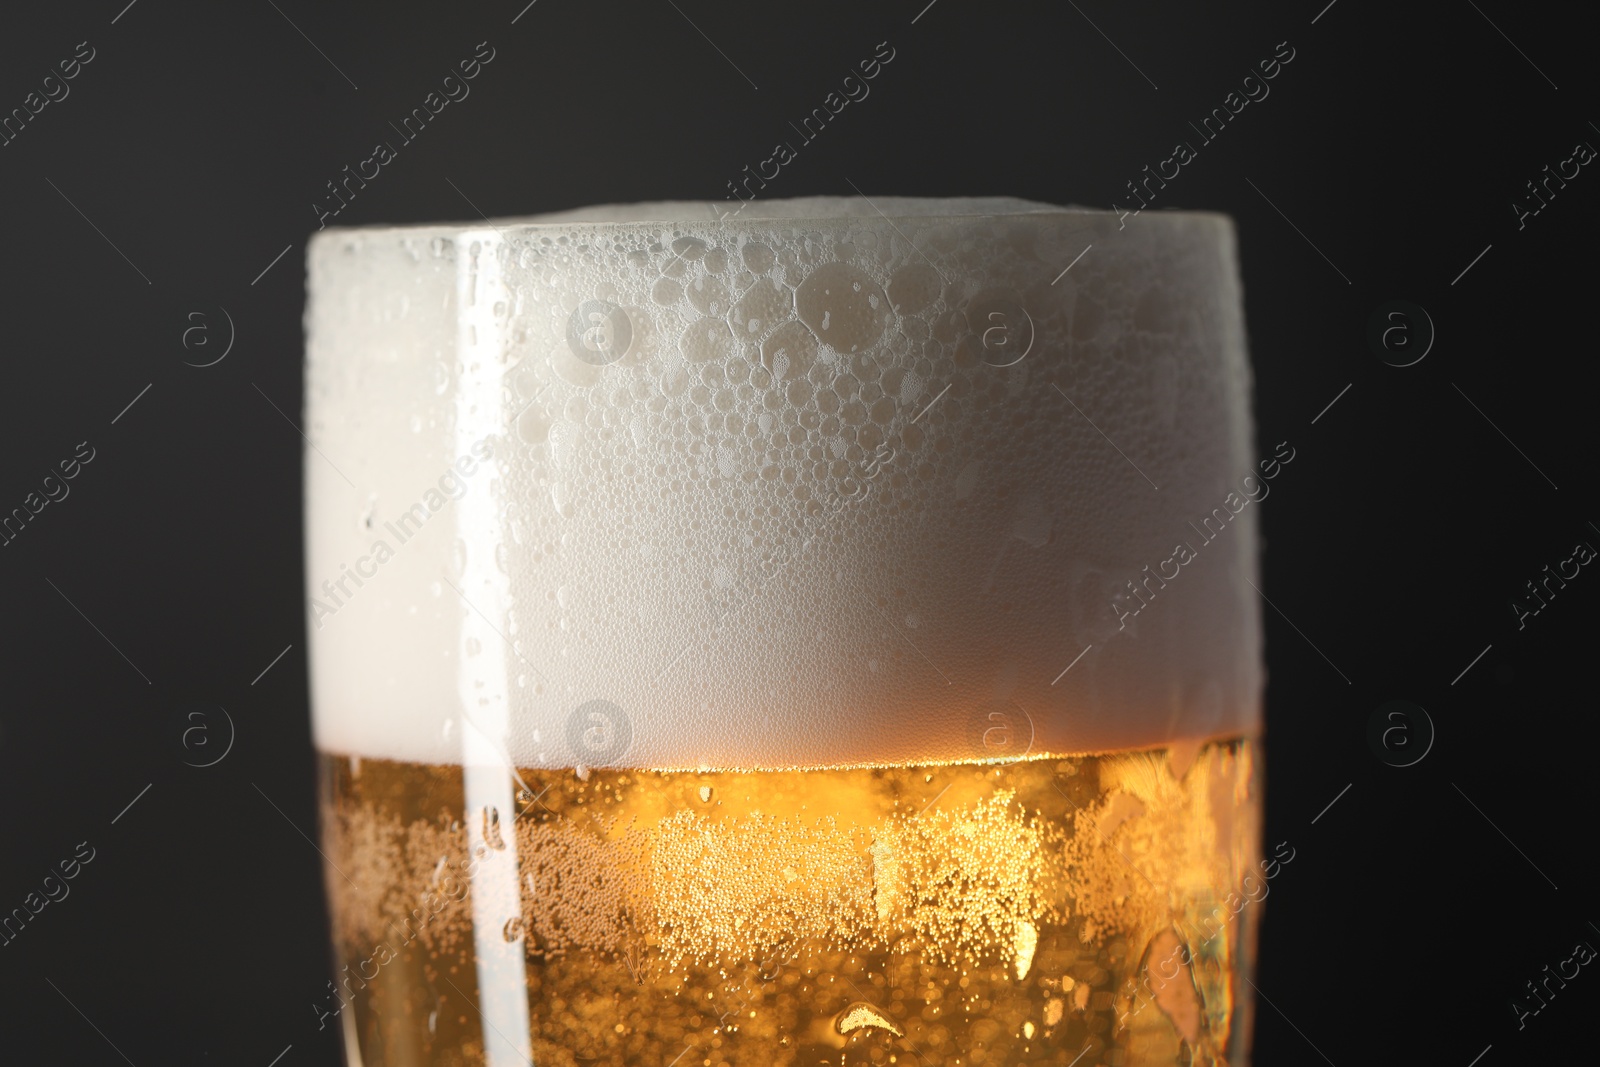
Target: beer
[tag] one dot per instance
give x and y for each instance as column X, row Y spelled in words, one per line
column 975, row 913
column 822, row 635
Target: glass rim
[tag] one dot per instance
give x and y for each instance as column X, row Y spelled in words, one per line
column 829, row 209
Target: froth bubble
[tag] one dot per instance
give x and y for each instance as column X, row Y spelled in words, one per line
column 708, row 294
column 533, row 425
column 688, row 248
column 706, row 340
column 599, row 332
column 765, row 303
column 913, row 288
column 1000, row 730
column 789, row 352
column 757, row 256
column 598, row 733
column 1003, row 327
column 843, row 306
column 721, row 440
column 666, row 292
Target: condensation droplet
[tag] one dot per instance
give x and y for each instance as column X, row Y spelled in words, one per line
column 1025, row 943
column 491, row 827
column 861, row 1016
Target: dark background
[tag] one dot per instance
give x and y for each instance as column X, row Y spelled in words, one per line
column 188, row 155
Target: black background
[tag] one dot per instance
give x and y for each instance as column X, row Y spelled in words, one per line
column 1397, row 140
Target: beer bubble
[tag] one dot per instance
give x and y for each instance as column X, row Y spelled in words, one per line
column 513, row 929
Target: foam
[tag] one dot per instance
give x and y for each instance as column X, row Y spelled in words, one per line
column 763, row 491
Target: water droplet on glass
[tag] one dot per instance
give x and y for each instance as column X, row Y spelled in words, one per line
column 861, row 1016
column 1025, row 943
column 491, row 827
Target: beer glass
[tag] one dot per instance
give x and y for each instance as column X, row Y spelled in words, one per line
column 794, row 632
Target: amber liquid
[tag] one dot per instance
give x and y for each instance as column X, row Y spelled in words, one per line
column 1080, row 910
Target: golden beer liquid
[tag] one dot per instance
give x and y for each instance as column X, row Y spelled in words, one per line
column 1056, row 910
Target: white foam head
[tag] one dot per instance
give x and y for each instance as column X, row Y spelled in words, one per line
column 825, row 482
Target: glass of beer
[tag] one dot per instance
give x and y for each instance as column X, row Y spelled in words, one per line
column 817, row 632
